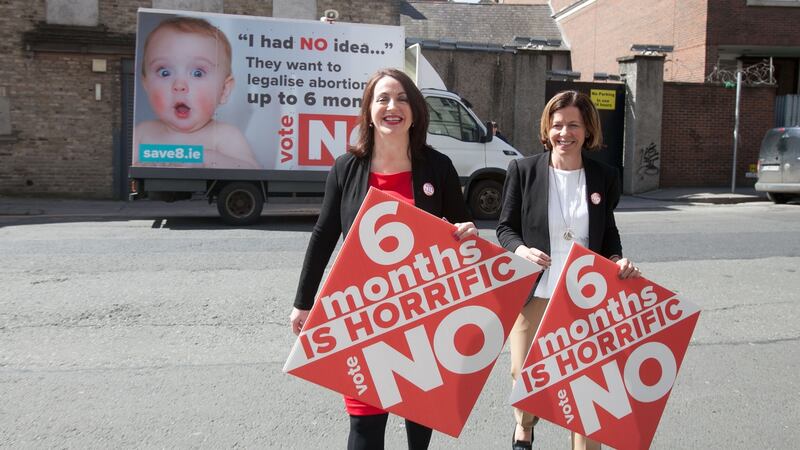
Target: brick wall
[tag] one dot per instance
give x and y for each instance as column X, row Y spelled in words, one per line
column 63, row 137
column 603, row 31
column 735, row 23
column 688, row 25
column 697, row 133
column 248, row 7
column 120, row 15
column 383, row 12
column 492, row 98
column 15, row 18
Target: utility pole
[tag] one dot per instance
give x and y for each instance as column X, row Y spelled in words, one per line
column 736, row 128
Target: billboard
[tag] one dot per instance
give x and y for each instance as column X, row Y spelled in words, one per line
column 239, row 92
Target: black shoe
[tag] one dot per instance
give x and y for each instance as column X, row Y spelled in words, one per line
column 521, row 445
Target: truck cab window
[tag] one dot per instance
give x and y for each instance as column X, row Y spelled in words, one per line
column 449, row 118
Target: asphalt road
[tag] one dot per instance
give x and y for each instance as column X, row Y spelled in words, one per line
column 172, row 333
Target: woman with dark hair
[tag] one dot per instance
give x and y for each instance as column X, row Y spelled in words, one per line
column 551, row 200
column 391, row 155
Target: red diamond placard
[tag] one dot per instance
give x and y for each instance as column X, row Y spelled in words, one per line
column 410, row 319
column 606, row 354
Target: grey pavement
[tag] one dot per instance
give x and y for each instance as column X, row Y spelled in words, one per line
column 117, row 333
column 714, row 195
column 62, row 207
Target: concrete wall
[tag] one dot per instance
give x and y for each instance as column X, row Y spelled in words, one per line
column 503, row 87
column 120, row 15
column 697, row 133
column 5, row 114
column 248, row 7
column 295, row 9
column 190, row 5
column 530, row 77
column 643, row 105
column 72, row 12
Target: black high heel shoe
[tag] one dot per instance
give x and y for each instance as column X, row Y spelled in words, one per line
column 521, row 445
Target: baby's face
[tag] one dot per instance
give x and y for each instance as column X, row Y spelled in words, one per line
column 186, row 77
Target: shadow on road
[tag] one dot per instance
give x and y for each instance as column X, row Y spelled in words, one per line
column 646, row 209
column 178, row 223
column 287, row 222
column 267, row 223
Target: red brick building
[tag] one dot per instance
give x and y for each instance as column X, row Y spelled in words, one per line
column 704, row 34
column 707, row 36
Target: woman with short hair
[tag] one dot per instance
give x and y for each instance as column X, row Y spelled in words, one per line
column 551, row 200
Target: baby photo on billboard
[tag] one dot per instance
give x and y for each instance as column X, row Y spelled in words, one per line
column 185, row 74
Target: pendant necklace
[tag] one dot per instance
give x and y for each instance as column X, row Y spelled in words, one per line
column 568, row 234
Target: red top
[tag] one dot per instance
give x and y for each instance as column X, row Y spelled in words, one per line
column 398, row 185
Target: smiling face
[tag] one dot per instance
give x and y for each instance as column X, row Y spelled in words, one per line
column 186, row 75
column 390, row 112
column 567, row 131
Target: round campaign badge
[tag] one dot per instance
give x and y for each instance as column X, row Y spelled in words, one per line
column 427, row 188
column 596, row 198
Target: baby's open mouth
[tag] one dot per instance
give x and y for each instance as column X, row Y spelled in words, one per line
column 182, row 110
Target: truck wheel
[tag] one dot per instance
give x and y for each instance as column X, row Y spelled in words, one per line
column 240, row 203
column 484, row 199
column 777, row 198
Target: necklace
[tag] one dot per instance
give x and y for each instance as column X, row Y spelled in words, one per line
column 568, row 234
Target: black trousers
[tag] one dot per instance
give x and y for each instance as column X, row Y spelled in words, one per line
column 368, row 432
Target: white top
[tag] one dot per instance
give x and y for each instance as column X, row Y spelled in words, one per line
column 566, row 208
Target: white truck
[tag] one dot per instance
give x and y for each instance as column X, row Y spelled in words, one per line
column 243, row 110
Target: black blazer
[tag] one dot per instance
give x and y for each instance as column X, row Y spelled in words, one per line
column 524, row 221
column 347, row 185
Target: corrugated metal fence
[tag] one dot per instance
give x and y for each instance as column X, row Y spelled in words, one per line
column 787, row 110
